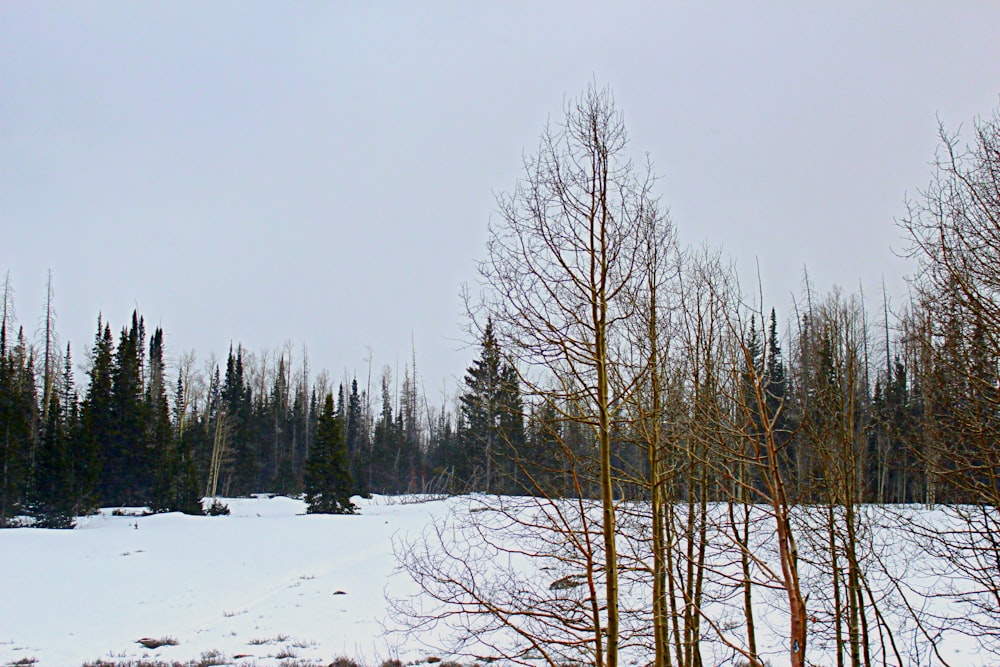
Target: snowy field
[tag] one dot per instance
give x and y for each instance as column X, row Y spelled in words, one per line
column 265, row 582
column 270, row 585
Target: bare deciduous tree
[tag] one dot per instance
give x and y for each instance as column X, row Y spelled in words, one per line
column 563, row 258
column 954, row 233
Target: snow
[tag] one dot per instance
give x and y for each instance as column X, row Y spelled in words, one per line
column 266, row 580
column 270, row 582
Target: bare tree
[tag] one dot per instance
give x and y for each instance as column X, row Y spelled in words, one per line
column 50, row 346
column 954, row 232
column 562, row 260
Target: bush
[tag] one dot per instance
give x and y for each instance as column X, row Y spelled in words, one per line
column 217, row 509
column 343, row 662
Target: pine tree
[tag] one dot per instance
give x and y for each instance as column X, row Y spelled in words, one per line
column 237, row 404
column 52, row 488
column 127, row 470
column 171, row 484
column 357, row 443
column 70, row 406
column 95, row 421
column 776, row 384
column 18, row 424
column 382, row 467
column 492, row 428
column 327, row 477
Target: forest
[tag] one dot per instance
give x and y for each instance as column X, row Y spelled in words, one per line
column 613, row 365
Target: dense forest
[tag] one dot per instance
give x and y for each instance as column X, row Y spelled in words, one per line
column 140, row 435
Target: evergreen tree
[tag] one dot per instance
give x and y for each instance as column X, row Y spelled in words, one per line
column 357, row 443
column 776, row 389
column 52, row 489
column 96, row 422
column 70, row 406
column 383, row 465
column 237, row 403
column 327, row 476
column 187, row 495
column 18, row 424
column 172, row 488
column 127, row 469
column 492, row 427
column 410, row 458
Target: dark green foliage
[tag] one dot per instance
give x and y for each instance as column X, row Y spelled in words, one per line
column 174, row 483
column 382, row 466
column 96, row 418
column 19, row 424
column 236, row 401
column 53, row 483
column 327, row 476
column 491, row 431
column 358, row 448
column 217, row 508
column 126, row 464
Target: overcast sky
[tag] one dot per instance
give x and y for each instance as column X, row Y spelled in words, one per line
column 323, row 172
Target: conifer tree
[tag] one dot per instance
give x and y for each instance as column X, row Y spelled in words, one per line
column 357, row 443
column 383, row 473
column 18, row 424
column 236, row 401
column 127, row 468
column 52, row 489
column 95, row 421
column 492, row 433
column 327, row 476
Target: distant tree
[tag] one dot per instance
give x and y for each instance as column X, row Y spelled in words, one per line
column 18, row 423
column 358, row 449
column 127, row 468
column 52, row 489
column 237, row 408
column 410, row 458
column 70, row 406
column 492, row 427
column 776, row 384
column 96, row 420
column 328, row 478
column 384, row 463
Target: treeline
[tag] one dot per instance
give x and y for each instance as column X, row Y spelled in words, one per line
column 889, row 399
column 139, row 432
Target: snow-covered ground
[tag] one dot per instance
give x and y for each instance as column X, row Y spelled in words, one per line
column 275, row 585
column 265, row 581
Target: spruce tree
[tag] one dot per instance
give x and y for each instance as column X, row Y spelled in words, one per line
column 187, row 497
column 776, row 385
column 236, row 402
column 95, row 421
column 18, row 425
column 160, row 434
column 383, row 464
column 127, row 471
column 327, row 476
column 357, row 443
column 52, row 490
column 492, row 426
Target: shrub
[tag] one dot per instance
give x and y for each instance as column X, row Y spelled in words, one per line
column 217, row 508
column 343, row 662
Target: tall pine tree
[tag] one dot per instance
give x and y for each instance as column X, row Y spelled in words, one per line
column 327, row 477
column 492, row 426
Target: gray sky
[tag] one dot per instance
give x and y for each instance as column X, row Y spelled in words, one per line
column 323, row 172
